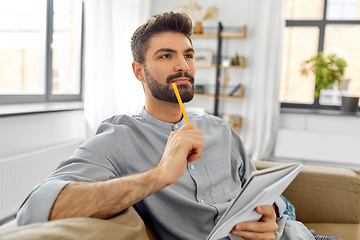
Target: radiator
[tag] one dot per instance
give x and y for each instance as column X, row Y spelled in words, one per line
column 19, row 174
column 332, row 149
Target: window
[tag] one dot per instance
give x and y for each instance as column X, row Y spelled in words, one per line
column 312, row 26
column 40, row 50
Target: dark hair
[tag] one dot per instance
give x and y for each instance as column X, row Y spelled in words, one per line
column 159, row 23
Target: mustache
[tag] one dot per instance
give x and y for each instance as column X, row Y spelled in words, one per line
column 178, row 75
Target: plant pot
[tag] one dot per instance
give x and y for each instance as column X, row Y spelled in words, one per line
column 349, row 104
column 198, row 29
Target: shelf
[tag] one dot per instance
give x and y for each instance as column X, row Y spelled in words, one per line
column 242, row 65
column 234, row 121
column 240, row 35
column 236, row 128
column 218, row 34
column 238, row 124
column 241, row 93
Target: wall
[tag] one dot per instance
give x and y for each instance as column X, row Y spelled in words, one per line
column 25, row 133
column 31, row 147
column 319, row 139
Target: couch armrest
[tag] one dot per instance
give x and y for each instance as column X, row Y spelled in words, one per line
column 323, row 194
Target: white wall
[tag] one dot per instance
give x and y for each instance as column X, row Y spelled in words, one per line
column 319, row 139
column 31, row 147
column 231, row 12
column 24, row 133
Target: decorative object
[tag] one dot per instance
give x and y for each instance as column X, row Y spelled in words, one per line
column 204, row 56
column 348, row 104
column 224, row 75
column 236, row 89
column 235, row 60
column 193, row 9
column 328, row 70
column 199, row 88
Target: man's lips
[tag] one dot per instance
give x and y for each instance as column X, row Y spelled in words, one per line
column 181, row 80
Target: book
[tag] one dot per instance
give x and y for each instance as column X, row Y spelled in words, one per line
column 262, row 188
column 234, row 90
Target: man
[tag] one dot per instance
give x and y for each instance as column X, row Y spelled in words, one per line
column 179, row 176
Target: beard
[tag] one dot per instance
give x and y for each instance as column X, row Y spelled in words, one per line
column 165, row 92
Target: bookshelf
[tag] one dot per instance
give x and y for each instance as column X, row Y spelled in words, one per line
column 227, row 33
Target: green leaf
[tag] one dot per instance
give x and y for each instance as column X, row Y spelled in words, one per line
column 328, row 70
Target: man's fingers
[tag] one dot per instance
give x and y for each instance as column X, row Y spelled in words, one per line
column 267, row 211
column 264, row 229
column 260, row 227
column 187, row 126
column 195, row 152
column 191, row 137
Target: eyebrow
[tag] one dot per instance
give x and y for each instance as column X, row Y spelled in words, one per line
column 172, row 50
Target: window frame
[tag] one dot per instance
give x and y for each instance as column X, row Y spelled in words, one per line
column 321, row 24
column 48, row 96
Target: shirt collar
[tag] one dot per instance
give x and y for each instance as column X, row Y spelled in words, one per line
column 154, row 121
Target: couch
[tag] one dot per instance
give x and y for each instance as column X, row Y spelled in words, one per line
column 326, row 199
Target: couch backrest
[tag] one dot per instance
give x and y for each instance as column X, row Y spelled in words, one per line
column 325, row 198
column 323, row 195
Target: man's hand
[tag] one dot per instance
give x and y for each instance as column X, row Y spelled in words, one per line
column 184, row 145
column 264, row 229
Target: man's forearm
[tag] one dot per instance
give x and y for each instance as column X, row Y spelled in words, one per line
column 104, row 199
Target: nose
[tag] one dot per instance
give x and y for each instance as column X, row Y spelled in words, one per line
column 181, row 65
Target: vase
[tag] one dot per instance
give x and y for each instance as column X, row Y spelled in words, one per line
column 349, row 104
column 198, row 29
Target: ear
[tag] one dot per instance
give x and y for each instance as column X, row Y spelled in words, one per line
column 138, row 71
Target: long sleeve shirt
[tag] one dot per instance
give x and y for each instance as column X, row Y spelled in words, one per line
column 124, row 145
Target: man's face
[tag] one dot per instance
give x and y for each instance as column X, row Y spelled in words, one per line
column 169, row 59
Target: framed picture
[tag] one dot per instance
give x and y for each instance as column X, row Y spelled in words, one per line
column 204, row 56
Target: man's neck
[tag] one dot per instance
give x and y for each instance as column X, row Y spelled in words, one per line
column 164, row 111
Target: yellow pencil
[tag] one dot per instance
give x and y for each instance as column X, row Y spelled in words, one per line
column 180, row 102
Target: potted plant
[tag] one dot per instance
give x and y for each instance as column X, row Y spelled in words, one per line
column 328, row 71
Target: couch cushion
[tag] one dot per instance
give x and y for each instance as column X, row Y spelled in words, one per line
column 340, row 230
column 125, row 226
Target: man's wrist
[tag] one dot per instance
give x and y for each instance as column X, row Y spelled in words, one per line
column 159, row 182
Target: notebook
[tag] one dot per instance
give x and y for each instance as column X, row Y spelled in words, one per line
column 262, row 188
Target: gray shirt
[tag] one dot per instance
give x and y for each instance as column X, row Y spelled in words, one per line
column 123, row 145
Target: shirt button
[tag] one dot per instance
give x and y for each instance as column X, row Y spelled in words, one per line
column 175, row 127
column 202, row 201
column 192, row 167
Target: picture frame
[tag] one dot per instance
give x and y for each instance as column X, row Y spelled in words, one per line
column 204, row 56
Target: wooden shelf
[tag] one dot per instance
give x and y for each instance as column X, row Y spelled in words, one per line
column 242, row 65
column 241, row 93
column 238, row 124
column 234, row 121
column 223, row 33
column 240, row 35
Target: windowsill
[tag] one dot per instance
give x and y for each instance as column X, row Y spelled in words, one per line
column 33, row 108
column 319, row 112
